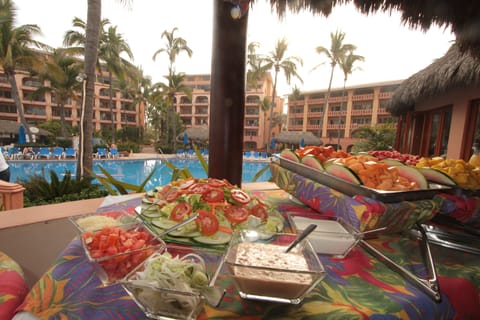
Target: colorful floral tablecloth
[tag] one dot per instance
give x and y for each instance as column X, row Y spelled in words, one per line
column 13, row 287
column 357, row 287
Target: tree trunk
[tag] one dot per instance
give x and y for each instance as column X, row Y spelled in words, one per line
column 85, row 158
column 227, row 111
column 18, row 104
column 62, row 119
column 325, row 110
column 270, row 121
column 110, row 104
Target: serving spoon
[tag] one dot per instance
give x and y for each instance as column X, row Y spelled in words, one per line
column 301, row 236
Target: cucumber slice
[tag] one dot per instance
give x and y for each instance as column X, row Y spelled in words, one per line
column 219, row 237
column 163, row 223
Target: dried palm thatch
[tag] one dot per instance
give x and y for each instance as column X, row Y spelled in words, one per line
column 195, row 134
column 12, row 127
column 294, row 137
column 463, row 16
column 454, row 70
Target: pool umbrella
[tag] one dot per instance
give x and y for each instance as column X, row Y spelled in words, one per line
column 302, row 143
column 185, row 138
column 21, row 135
column 274, row 142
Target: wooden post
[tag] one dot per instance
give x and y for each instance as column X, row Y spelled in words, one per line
column 227, row 94
column 12, row 195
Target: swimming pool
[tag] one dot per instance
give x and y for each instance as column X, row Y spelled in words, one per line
column 130, row 171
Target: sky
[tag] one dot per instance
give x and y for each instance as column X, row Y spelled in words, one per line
column 392, row 51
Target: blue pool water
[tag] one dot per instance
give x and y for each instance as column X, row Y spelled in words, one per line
column 130, row 171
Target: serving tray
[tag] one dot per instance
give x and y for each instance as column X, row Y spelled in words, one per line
column 352, row 189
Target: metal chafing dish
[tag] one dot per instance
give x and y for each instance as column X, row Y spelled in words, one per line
column 352, row 189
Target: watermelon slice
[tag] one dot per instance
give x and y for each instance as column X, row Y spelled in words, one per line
column 290, row 155
column 343, row 172
column 437, row 176
column 312, row 161
column 413, row 174
column 392, row 162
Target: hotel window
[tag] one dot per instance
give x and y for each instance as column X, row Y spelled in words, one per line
column 34, row 110
column 316, row 108
column 7, row 108
column 253, row 99
column 438, row 124
column 472, row 130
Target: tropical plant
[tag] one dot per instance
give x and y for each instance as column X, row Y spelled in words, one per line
column 378, row 137
column 173, row 47
column 279, row 62
column 61, row 72
column 346, row 64
column 39, row 190
column 336, row 54
column 16, row 52
column 265, row 105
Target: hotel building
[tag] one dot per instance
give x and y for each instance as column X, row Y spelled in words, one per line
column 357, row 106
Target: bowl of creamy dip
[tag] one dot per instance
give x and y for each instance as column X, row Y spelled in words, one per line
column 262, row 270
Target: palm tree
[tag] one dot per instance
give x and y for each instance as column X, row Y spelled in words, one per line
column 346, row 64
column 265, row 106
column 335, row 54
column 16, row 52
column 173, row 47
column 256, row 68
column 61, row 72
column 175, row 84
column 112, row 45
column 277, row 60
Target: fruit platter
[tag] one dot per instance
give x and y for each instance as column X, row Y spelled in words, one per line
column 222, row 208
column 386, row 180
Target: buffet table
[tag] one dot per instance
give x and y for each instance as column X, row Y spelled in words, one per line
column 358, row 286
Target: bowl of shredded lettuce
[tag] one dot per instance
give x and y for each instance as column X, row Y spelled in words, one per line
column 175, row 283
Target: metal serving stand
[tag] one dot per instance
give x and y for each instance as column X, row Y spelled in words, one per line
column 430, row 284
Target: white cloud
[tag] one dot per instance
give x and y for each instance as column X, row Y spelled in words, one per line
column 392, row 51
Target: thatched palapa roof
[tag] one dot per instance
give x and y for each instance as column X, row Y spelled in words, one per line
column 195, row 134
column 463, row 16
column 12, row 127
column 294, row 137
column 454, row 70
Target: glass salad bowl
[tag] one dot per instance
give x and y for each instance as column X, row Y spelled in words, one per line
column 333, row 237
column 116, row 250
column 176, row 283
column 261, row 270
column 96, row 221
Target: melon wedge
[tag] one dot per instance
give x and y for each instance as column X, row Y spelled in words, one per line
column 343, row 172
column 313, row 162
column 414, row 175
column 290, row 155
column 392, row 162
column 437, row 176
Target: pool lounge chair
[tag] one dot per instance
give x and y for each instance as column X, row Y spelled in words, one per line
column 58, row 153
column 113, row 153
column 44, row 152
column 70, row 153
column 101, row 153
column 14, row 153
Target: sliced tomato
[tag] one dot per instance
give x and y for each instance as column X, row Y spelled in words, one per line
column 259, row 211
column 207, row 222
column 213, row 195
column 216, row 183
column 199, row 188
column 186, row 184
column 172, row 195
column 236, row 214
column 240, row 196
column 181, row 211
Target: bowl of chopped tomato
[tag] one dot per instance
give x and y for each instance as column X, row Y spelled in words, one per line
column 114, row 251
